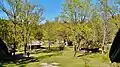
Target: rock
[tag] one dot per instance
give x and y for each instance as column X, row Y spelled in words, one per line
column 43, row 64
column 55, row 64
column 50, row 65
column 46, row 65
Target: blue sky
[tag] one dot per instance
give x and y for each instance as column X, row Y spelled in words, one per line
column 52, row 8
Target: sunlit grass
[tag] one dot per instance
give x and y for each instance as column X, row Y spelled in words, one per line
column 66, row 59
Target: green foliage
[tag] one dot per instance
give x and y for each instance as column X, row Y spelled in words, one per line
column 76, row 10
column 49, row 31
column 23, row 27
column 22, row 22
column 61, row 47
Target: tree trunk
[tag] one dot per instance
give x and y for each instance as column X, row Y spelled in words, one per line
column 104, row 38
column 25, row 49
column 14, row 49
column 105, row 4
column 49, row 45
column 14, row 44
column 75, row 50
column 105, row 33
column 27, row 36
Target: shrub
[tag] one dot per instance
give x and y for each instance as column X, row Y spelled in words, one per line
column 70, row 43
column 2, row 55
column 61, row 47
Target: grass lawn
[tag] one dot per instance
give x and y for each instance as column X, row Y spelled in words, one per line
column 65, row 58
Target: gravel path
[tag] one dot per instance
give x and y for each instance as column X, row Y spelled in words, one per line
column 54, row 64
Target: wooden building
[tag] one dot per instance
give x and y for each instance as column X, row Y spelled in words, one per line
column 34, row 45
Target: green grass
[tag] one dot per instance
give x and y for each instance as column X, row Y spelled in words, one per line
column 65, row 58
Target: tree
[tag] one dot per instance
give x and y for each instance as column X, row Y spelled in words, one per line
column 12, row 14
column 32, row 15
column 76, row 10
column 49, row 32
column 22, row 17
column 3, row 29
column 105, row 10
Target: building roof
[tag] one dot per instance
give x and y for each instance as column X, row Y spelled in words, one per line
column 34, row 43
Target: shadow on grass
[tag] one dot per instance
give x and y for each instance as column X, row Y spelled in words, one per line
column 46, row 50
column 19, row 59
column 22, row 61
column 48, row 56
column 85, row 54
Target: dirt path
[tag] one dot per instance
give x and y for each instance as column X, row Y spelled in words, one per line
column 50, row 64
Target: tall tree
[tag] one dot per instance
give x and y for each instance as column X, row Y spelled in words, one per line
column 22, row 13
column 12, row 12
column 104, row 12
column 76, row 10
column 33, row 15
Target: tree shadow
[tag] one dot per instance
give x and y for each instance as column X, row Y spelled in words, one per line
column 50, row 55
column 87, row 53
column 22, row 61
column 46, row 50
column 19, row 59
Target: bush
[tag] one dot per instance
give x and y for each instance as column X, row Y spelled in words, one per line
column 70, row 43
column 61, row 47
column 2, row 55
